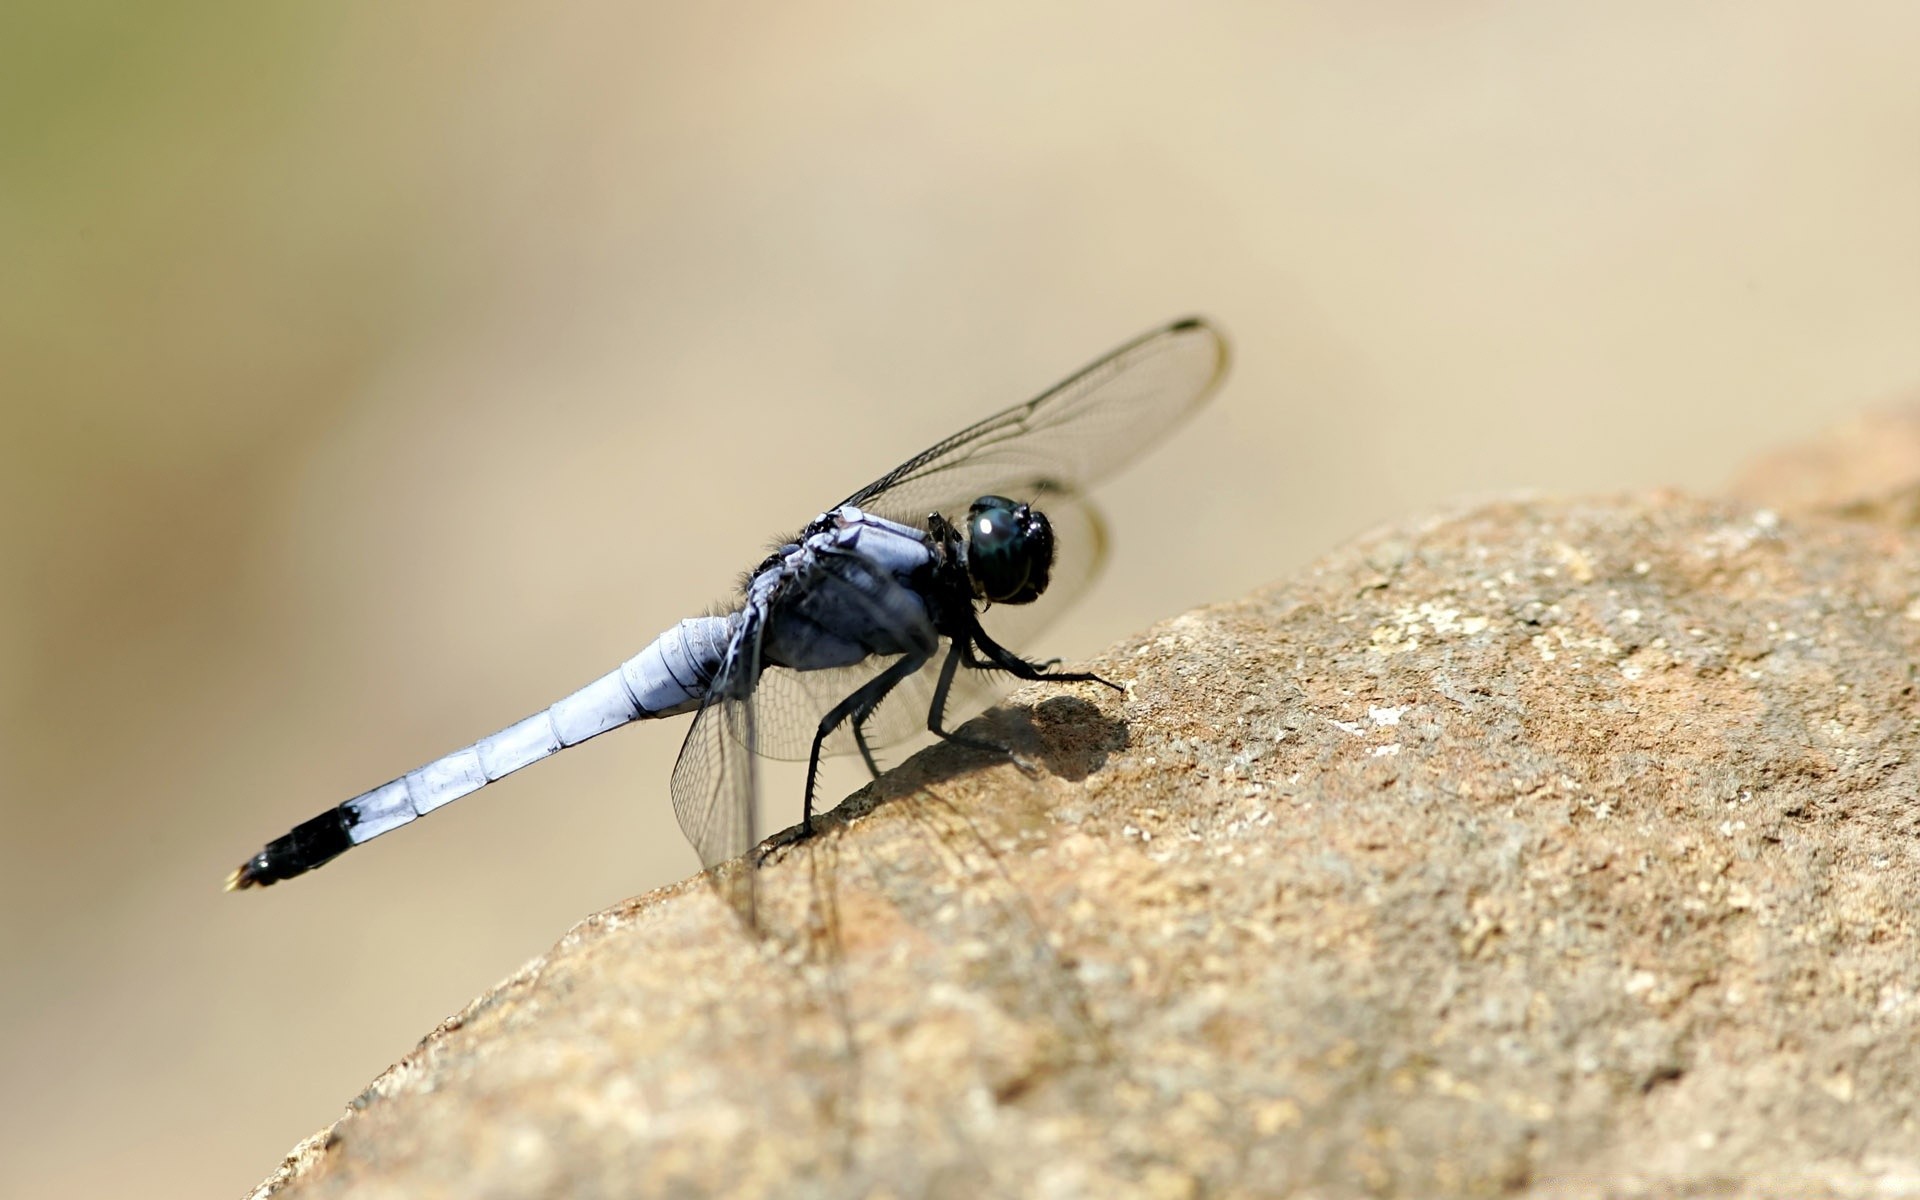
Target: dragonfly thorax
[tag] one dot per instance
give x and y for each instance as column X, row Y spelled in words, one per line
column 1009, row 551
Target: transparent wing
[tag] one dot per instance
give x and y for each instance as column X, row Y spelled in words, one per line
column 1068, row 437
column 788, row 704
column 715, row 789
column 1044, row 452
column 783, row 696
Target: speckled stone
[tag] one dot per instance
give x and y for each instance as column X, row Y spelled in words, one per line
column 1557, row 848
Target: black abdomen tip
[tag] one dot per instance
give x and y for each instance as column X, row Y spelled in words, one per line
column 308, row 845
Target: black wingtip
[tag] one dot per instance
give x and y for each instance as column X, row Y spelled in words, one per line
column 1195, row 323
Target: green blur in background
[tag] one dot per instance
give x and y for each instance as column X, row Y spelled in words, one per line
column 375, row 374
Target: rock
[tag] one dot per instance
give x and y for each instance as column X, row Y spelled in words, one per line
column 1867, row 468
column 1558, row 848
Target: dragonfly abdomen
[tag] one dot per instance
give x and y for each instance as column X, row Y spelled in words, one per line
column 670, row 676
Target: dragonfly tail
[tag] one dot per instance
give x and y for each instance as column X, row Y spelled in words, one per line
column 668, row 677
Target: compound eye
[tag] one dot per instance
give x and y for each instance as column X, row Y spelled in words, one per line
column 1009, row 550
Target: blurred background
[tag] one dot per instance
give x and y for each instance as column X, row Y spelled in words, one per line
column 375, row 374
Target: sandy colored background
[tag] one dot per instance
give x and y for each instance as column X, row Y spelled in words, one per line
column 374, row 374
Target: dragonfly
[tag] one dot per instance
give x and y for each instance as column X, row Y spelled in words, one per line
column 868, row 626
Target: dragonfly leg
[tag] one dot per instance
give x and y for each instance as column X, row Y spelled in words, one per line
column 957, row 653
column 998, row 657
column 859, row 706
column 860, row 740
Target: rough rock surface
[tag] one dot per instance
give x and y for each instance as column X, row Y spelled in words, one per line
column 1866, row 468
column 1556, row 848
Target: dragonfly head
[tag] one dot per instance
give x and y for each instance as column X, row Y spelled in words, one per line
column 1009, row 550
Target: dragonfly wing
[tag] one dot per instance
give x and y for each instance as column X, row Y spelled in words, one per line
column 1045, row 452
column 1067, row 438
column 715, row 787
column 788, row 706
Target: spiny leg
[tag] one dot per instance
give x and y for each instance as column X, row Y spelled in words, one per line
column 998, row 657
column 937, row 712
column 859, row 706
column 860, row 740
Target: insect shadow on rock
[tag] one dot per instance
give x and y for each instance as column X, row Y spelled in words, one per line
column 891, row 613
column 1063, row 737
column 907, row 851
